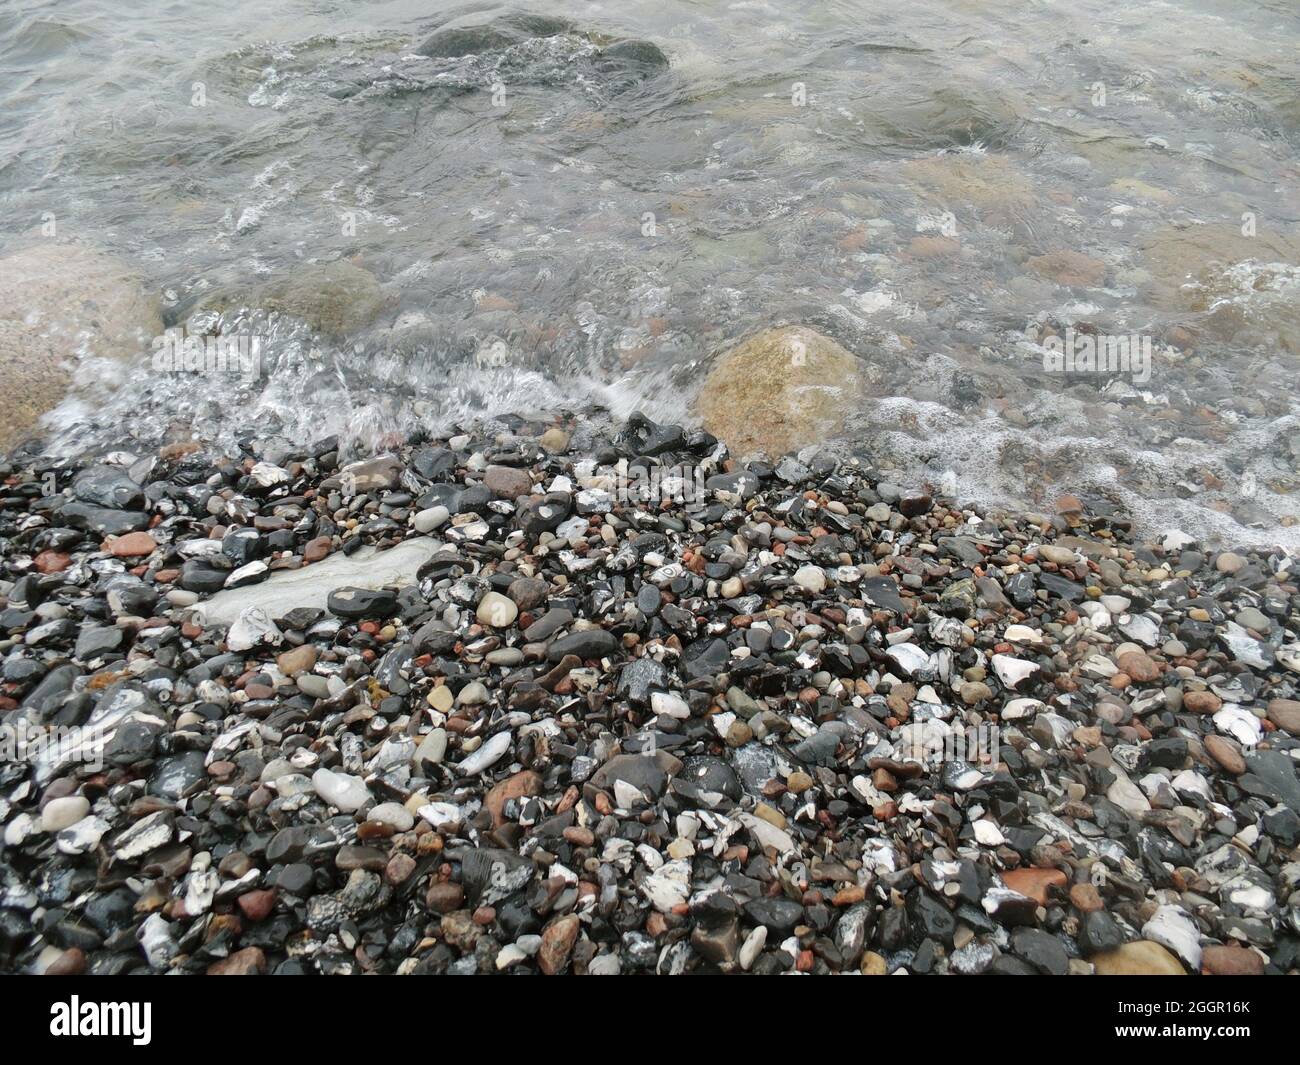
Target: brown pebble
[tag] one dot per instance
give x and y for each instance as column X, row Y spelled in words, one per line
column 51, row 562
column 247, row 962
column 1201, row 702
column 558, row 939
column 315, row 550
column 132, row 545
column 257, row 905
column 1140, row 668
column 444, row 898
column 1086, row 898
column 579, row 836
column 1285, row 714
column 72, row 962
column 522, row 784
column 1034, row 883
column 1231, row 961
column 399, row 868
column 1226, row 753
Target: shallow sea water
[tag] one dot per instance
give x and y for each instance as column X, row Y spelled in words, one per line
column 544, row 233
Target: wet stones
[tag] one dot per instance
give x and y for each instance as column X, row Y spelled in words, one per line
column 641, row 55
column 337, row 298
column 59, row 298
column 357, row 603
column 497, row 611
column 1285, row 714
column 1041, row 950
column 506, row 482
column 585, row 644
column 347, row 793
column 641, row 776
column 660, row 737
column 490, row 874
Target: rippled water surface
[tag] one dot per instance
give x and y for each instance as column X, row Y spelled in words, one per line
column 530, row 226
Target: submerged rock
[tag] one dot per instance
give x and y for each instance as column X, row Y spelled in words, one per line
column 491, row 33
column 483, row 33
column 59, row 302
column 779, row 390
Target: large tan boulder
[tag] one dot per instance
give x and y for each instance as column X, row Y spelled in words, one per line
column 779, row 391
column 60, row 303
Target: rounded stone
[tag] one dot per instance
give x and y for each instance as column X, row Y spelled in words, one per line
column 810, row 579
column 59, row 814
column 496, row 611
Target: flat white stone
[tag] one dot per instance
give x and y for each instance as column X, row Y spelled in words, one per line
column 253, row 628
column 343, row 790
column 908, row 657
column 425, row 521
column 1128, row 796
column 143, row 836
column 670, row 704
column 441, row 813
column 81, row 837
column 767, row 834
column 810, row 578
column 1022, row 634
column 394, row 814
column 60, row 813
column 496, row 610
column 311, row 585
column 627, row 796
column 1239, row 723
column 1140, row 628
column 1017, row 709
column 1172, row 928
column 510, row 955
column 669, row 885
column 487, row 755
column 752, row 947
column 1011, row 671
column 266, row 474
column 1191, row 782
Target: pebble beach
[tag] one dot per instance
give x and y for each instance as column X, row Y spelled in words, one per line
column 474, row 706
column 650, row 489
